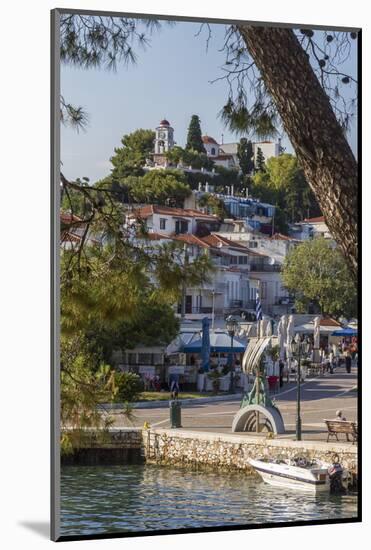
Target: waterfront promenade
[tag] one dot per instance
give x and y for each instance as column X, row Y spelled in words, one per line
column 321, row 398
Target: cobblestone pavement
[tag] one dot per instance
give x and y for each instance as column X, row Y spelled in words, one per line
column 321, row 397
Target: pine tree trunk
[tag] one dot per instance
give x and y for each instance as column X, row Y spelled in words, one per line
column 319, row 142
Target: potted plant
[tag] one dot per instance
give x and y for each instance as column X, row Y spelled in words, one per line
column 215, row 377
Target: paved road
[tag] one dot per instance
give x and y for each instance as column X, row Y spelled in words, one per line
column 321, row 398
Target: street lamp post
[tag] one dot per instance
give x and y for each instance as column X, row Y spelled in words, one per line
column 299, row 346
column 232, row 325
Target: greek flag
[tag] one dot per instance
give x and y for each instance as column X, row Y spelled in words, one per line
column 258, row 308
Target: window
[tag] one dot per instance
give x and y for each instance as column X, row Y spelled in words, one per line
column 132, row 358
column 145, row 358
column 163, row 223
column 213, row 151
column 253, row 244
column 242, row 260
column 181, row 226
column 233, row 259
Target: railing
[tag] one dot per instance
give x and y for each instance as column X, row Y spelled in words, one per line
column 265, row 267
column 242, row 304
column 284, row 301
column 201, row 310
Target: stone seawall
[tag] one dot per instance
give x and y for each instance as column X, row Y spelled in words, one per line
column 230, row 452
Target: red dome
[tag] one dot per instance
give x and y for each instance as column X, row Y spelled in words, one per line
column 164, row 122
column 209, row 139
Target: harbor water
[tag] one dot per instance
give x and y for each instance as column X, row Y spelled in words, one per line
column 108, row 499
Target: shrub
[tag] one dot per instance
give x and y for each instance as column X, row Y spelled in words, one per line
column 129, row 385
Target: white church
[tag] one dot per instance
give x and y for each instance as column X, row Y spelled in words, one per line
column 222, row 154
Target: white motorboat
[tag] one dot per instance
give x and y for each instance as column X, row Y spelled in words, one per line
column 299, row 473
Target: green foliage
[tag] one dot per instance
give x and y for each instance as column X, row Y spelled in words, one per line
column 214, row 205
column 194, row 136
column 129, row 386
column 245, row 156
column 189, row 157
column 260, row 161
column 153, row 324
column 88, row 41
column 130, row 158
column 159, row 187
column 283, row 184
column 85, row 383
column 74, row 201
column 316, row 272
column 215, row 376
column 99, row 289
column 174, row 271
column 261, row 119
column 226, row 177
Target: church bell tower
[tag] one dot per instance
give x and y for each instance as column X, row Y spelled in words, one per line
column 164, row 140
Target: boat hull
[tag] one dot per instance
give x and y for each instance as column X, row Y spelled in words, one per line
column 291, row 477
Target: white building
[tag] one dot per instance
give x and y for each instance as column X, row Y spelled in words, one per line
column 268, row 148
column 267, row 255
column 167, row 220
column 217, row 154
column 310, row 228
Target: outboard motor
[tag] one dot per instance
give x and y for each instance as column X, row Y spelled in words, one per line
column 336, row 479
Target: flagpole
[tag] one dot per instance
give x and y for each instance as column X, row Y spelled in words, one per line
column 259, row 317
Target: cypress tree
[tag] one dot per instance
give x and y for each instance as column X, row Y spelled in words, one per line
column 194, row 136
column 245, row 156
column 260, row 161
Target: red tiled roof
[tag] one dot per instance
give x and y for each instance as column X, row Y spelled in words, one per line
column 280, row 237
column 217, row 240
column 329, row 323
column 190, row 239
column 319, row 219
column 209, row 139
column 150, row 209
column 67, row 236
column 68, row 219
column 184, row 237
column 153, row 236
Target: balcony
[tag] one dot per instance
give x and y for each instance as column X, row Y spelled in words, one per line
column 275, row 268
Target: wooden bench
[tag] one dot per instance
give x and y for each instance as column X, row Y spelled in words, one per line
column 335, row 427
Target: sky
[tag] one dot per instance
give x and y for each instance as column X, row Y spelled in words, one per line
column 171, row 79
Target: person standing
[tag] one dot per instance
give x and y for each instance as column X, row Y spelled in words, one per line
column 281, row 366
column 348, row 362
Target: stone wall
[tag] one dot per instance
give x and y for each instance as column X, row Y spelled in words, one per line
column 230, row 452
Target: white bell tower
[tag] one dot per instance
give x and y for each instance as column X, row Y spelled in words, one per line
column 164, row 137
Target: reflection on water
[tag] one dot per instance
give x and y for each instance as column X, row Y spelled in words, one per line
column 139, row 498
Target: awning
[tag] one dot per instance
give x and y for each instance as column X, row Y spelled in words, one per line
column 308, row 328
column 348, row 331
column 220, row 342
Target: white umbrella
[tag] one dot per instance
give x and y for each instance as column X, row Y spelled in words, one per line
column 281, row 334
column 289, row 335
column 316, row 338
column 268, row 328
